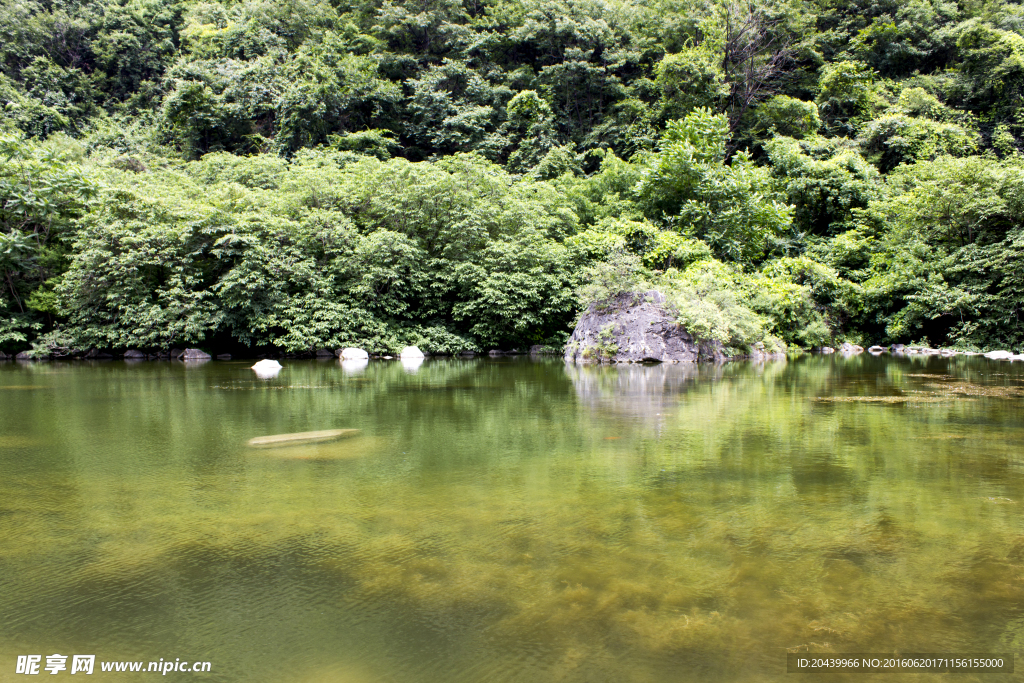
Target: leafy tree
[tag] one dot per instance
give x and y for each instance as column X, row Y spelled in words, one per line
column 949, row 268
column 454, row 109
column 897, row 139
column 689, row 186
column 824, row 180
column 41, row 192
column 784, row 115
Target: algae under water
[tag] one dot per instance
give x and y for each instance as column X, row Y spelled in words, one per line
column 510, row 520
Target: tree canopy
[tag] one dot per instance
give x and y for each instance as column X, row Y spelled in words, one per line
column 466, row 174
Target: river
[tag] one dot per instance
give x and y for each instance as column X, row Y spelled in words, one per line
column 511, row 520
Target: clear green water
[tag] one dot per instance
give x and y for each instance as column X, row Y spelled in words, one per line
column 512, row 520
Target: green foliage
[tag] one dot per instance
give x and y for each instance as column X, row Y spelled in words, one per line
column 950, row 266
column 825, row 182
column 327, row 251
column 454, row 109
column 688, row 80
column 689, row 186
column 721, row 302
column 706, row 297
column 899, row 139
column 41, row 191
column 784, row 115
column 993, row 60
column 305, row 173
column 846, row 96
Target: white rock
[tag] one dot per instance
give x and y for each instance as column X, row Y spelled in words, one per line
column 354, row 354
column 267, row 369
column 410, row 352
column 999, row 355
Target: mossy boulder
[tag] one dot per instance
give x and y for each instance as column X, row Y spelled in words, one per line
column 636, row 328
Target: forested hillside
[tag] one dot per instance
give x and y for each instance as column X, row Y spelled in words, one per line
column 296, row 174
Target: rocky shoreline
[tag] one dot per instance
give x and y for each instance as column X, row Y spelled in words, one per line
column 632, row 328
column 848, row 349
column 199, row 355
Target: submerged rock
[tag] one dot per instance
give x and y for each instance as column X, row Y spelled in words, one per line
column 223, row 356
column 636, row 328
column 353, row 354
column 301, row 437
column 324, row 353
column 411, row 352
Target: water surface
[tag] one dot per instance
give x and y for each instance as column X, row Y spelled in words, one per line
column 509, row 520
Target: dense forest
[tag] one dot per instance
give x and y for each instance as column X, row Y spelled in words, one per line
column 287, row 175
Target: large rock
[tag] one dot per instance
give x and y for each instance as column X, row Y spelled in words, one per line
column 636, row 328
column 352, row 353
column 134, row 354
column 195, row 354
column 411, row 352
column 25, row 355
column 267, row 369
column 999, row 355
column 848, row 349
